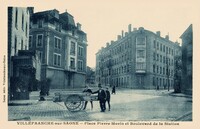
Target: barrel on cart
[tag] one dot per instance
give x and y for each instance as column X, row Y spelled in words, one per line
column 74, row 101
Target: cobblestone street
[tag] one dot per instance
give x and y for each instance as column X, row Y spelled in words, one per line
column 125, row 105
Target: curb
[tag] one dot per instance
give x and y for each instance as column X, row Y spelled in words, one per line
column 185, row 116
column 21, row 119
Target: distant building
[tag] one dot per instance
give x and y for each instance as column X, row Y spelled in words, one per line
column 137, row 59
column 61, row 46
column 187, row 49
column 22, row 64
column 90, row 76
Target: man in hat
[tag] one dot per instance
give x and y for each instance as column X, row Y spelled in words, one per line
column 101, row 98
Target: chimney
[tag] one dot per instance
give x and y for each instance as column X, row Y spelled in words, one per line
column 112, row 41
column 126, row 33
column 129, row 28
column 107, row 44
column 79, row 26
column 118, row 37
column 158, row 33
column 167, row 37
column 122, row 33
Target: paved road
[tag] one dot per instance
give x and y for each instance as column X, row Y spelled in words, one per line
column 125, row 105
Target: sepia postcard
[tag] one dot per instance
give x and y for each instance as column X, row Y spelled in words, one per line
column 99, row 64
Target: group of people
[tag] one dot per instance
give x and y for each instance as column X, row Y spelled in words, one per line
column 103, row 97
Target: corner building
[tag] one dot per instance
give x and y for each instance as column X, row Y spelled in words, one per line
column 61, row 46
column 139, row 59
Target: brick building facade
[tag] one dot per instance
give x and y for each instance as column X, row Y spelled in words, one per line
column 61, row 46
column 137, row 59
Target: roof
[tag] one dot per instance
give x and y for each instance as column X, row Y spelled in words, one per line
column 66, row 19
column 187, row 31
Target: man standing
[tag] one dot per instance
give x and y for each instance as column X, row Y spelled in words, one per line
column 101, row 98
column 88, row 93
column 113, row 89
column 108, row 97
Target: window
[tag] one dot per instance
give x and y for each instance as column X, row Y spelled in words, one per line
column 16, row 18
column 157, row 45
column 80, row 51
column 22, row 21
column 154, row 56
column 40, row 22
column 58, row 26
column 160, row 47
column 30, row 41
column 154, row 68
column 140, row 66
column 140, row 40
column 39, row 40
column 160, row 70
column 72, row 63
column 163, row 48
column 40, row 56
column 22, row 44
column 15, row 45
column 161, row 58
column 57, row 59
column 80, row 65
column 154, row 44
column 57, row 42
column 154, row 81
column 163, row 71
column 157, row 57
column 140, row 53
column 157, row 69
column 26, row 29
column 167, row 50
column 73, row 48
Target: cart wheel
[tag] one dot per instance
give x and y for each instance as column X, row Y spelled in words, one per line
column 74, row 103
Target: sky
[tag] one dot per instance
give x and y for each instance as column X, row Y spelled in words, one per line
column 104, row 20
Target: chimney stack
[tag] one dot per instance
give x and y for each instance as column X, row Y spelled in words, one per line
column 158, row 33
column 118, row 37
column 107, row 44
column 129, row 28
column 79, row 26
column 122, row 33
column 167, row 37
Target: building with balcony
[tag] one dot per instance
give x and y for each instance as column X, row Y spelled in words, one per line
column 139, row 59
column 23, row 66
column 187, row 50
column 61, row 46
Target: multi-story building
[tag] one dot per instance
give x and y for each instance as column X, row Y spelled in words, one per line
column 61, row 46
column 22, row 64
column 138, row 59
column 187, row 49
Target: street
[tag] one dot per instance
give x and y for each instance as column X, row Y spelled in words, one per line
column 126, row 105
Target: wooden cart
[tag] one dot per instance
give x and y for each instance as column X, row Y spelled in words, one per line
column 74, row 101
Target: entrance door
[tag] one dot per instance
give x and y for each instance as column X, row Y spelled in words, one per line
column 140, row 81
